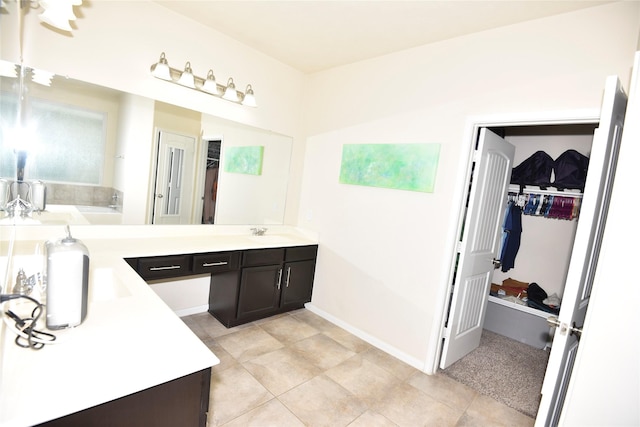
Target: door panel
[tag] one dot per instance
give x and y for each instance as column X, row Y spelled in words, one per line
column 297, row 283
column 174, row 179
column 259, row 291
column 585, row 252
column 479, row 246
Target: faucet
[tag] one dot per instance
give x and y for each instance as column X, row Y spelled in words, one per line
column 114, row 201
column 258, row 231
column 19, row 207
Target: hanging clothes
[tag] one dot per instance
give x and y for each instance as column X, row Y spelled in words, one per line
column 512, row 231
column 547, row 205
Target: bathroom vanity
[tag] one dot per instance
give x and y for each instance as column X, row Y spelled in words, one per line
column 245, row 285
column 132, row 353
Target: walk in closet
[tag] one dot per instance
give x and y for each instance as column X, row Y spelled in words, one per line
column 512, row 369
column 546, row 240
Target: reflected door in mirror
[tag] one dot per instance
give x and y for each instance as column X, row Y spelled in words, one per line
column 174, row 179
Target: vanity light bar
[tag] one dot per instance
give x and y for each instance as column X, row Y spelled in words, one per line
column 186, row 78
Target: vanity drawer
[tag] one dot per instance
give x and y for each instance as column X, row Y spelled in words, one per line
column 164, row 266
column 300, row 253
column 255, row 257
column 216, row 262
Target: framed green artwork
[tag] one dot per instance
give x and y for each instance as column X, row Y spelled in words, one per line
column 247, row 160
column 398, row 166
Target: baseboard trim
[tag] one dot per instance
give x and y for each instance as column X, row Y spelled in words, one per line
column 191, row 310
column 381, row 345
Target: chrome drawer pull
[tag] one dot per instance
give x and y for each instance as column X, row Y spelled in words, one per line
column 288, row 275
column 213, row 264
column 170, row 267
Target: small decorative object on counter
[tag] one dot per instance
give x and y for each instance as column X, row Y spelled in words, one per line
column 22, row 285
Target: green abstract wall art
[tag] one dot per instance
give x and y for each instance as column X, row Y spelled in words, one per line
column 247, row 160
column 398, row 166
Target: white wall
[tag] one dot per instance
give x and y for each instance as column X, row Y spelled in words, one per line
column 135, row 142
column 384, row 255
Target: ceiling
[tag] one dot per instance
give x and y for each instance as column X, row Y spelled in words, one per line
column 313, row 36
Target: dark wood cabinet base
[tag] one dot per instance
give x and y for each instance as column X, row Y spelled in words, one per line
column 269, row 281
column 246, row 285
column 181, row 402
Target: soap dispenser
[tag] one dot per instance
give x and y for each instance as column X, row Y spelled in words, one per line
column 67, row 267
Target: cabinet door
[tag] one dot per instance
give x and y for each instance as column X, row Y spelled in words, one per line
column 297, row 284
column 259, row 291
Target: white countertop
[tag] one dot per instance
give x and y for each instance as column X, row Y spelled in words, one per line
column 130, row 340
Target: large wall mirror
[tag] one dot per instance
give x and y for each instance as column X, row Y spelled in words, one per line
column 93, row 155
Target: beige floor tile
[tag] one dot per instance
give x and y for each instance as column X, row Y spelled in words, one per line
column 226, row 360
column 270, row 414
column 270, row 318
column 372, row 419
column 389, row 363
column 367, row 381
column 196, row 328
column 281, row 370
column 444, row 389
column 313, row 319
column 322, row 375
column 485, row 411
column 322, row 402
column 288, row 329
column 408, row 406
column 322, row 351
column 348, row 340
column 214, row 328
column 234, row 391
column 248, row 343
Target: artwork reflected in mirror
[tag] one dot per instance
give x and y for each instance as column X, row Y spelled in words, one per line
column 97, row 156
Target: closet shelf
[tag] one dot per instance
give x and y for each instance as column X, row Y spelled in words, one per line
column 534, row 189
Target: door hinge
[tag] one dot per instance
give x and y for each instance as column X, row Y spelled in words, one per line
column 446, row 333
column 476, row 155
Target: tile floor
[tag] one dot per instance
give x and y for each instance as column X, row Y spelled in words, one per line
column 297, row 369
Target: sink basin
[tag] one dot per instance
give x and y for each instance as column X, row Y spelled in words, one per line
column 104, row 285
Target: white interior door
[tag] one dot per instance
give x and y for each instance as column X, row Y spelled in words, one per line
column 173, row 195
column 584, row 256
column 479, row 246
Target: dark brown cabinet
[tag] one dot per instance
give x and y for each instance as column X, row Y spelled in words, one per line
column 259, row 292
column 245, row 285
column 215, row 262
column 161, row 267
column 271, row 281
column 181, row 402
column 168, row 266
column 298, row 272
column 298, row 283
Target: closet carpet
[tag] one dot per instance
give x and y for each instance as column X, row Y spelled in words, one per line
column 507, row 370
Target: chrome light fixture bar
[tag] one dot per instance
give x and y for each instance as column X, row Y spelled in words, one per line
column 14, row 71
column 208, row 85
